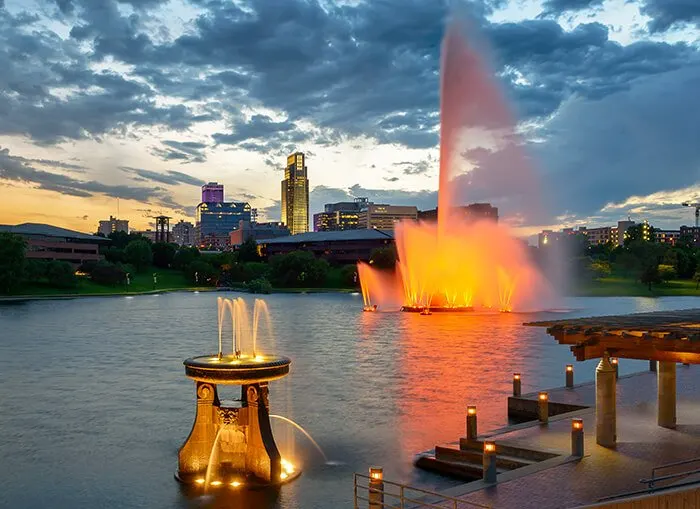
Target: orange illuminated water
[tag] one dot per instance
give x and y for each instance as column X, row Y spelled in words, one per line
column 457, row 262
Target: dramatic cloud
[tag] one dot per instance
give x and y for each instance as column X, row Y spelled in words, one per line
column 632, row 143
column 16, row 169
column 556, row 7
column 183, row 151
column 666, row 14
column 170, row 177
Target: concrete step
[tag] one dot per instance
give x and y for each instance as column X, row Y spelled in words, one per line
column 475, row 457
column 520, row 453
column 463, row 471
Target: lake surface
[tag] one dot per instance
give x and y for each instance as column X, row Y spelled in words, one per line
column 94, row 403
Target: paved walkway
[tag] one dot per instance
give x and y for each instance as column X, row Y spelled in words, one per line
column 642, row 445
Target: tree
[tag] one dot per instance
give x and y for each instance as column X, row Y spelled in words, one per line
column 185, row 256
column 34, row 270
column 163, row 254
column 114, row 254
column 383, row 257
column 259, row 285
column 639, row 233
column 202, row 273
column 298, row 269
column 667, row 272
column 600, row 268
column 248, row 251
column 696, row 278
column 61, row 274
column 138, row 253
column 650, row 275
column 106, row 273
column 12, row 249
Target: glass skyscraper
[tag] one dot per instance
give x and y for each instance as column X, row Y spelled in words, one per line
column 295, row 194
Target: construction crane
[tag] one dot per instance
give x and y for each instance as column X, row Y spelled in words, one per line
column 697, row 210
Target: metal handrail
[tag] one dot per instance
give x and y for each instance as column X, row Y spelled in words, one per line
column 650, row 482
column 668, row 465
column 649, row 492
column 403, row 497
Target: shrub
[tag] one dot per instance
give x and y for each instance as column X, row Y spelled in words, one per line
column 202, row 273
column 259, row 285
column 106, row 273
column 61, row 274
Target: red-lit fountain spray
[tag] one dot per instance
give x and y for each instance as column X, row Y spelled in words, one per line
column 456, row 263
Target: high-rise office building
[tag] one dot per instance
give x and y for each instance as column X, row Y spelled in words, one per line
column 295, row 194
column 213, row 192
column 112, row 225
column 183, row 233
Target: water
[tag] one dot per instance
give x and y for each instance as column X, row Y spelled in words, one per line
column 94, row 402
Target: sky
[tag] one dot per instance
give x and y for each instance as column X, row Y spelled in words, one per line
column 126, row 107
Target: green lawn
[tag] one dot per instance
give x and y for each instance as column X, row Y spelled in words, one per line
column 618, row 286
column 168, row 279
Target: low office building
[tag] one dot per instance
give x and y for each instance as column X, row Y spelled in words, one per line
column 385, row 217
column 472, row 212
column 46, row 242
column 112, row 225
column 257, row 231
column 667, row 236
column 345, row 246
column 344, row 215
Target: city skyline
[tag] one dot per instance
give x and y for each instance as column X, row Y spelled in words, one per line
column 126, row 113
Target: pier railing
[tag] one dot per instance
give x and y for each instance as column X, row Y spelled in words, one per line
column 392, row 495
column 692, row 466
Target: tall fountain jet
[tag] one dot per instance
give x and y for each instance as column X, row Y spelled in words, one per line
column 457, row 264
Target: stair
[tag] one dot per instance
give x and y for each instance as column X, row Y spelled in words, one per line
column 466, row 463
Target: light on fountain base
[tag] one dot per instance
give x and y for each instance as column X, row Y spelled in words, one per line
column 370, row 309
column 233, row 444
column 436, row 309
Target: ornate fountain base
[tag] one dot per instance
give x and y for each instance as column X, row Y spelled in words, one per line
column 233, row 445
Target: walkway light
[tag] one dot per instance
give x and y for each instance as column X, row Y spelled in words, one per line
column 489, row 462
column 577, row 437
column 376, row 488
column 516, row 384
column 543, row 406
column 569, row 375
column 471, row 423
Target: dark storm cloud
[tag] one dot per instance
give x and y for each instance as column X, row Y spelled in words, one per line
column 16, row 169
column 633, row 142
column 49, row 92
column 667, row 14
column 170, row 177
column 183, row 151
column 557, row 7
column 365, row 69
column 416, row 167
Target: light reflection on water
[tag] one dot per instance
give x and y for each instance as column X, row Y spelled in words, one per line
column 94, row 402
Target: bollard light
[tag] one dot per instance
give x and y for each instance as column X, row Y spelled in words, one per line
column 471, row 423
column 516, row 384
column 577, row 437
column 569, row 375
column 615, row 364
column 376, row 488
column 543, row 406
column 489, row 462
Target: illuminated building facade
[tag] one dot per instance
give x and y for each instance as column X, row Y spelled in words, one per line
column 112, row 225
column 216, row 221
column 471, row 212
column 343, row 215
column 183, row 233
column 295, row 194
column 385, row 217
column 667, row 236
column 213, row 192
column 257, row 231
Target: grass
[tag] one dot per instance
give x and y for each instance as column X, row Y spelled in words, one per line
column 168, row 279
column 619, row 286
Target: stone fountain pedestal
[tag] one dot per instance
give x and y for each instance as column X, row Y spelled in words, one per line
column 237, row 438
